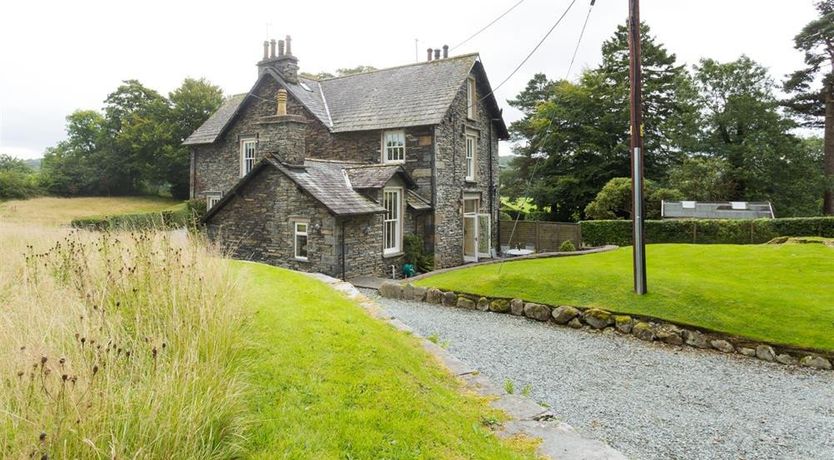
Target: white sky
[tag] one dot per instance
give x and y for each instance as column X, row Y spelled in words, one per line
column 59, row 56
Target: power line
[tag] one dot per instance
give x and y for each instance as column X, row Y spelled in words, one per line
column 488, row 25
column 578, row 42
column 530, row 54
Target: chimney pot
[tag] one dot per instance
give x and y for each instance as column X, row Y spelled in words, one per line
column 289, row 45
column 437, row 54
column 445, row 51
column 281, row 99
column 428, row 52
column 266, row 50
column 272, row 48
column 280, row 48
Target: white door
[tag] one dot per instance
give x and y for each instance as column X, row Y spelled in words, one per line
column 470, row 229
column 484, row 236
column 477, row 232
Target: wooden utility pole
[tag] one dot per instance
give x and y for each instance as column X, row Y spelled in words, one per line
column 636, row 76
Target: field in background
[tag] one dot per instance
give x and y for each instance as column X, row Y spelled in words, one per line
column 60, row 211
column 773, row 293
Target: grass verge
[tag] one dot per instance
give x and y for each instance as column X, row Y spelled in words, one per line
column 332, row 382
column 774, row 293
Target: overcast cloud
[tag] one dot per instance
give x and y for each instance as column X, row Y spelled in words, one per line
column 56, row 57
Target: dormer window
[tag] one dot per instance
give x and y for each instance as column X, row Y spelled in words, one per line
column 471, row 98
column 393, row 146
column 247, row 155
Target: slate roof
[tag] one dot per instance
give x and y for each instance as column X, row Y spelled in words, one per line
column 410, row 95
column 211, row 129
column 716, row 210
column 375, row 176
column 326, row 181
column 417, row 202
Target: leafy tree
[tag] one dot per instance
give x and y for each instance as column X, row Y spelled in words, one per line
column 702, row 178
column 191, row 104
column 339, row 72
column 743, row 127
column 574, row 137
column 614, row 200
column 74, row 166
column 134, row 146
column 813, row 86
column 16, row 179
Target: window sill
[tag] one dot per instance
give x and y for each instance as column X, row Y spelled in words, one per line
column 301, row 259
column 393, row 162
column 471, row 181
column 392, row 254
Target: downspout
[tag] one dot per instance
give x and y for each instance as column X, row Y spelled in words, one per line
column 492, row 212
column 342, row 221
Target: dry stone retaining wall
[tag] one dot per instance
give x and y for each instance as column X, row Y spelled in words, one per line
column 643, row 328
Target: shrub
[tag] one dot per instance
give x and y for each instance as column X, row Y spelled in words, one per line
column 706, row 231
column 567, row 246
column 413, row 254
column 178, row 217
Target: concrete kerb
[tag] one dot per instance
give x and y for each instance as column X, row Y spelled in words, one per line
column 527, row 418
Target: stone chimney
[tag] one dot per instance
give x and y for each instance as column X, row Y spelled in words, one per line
column 285, row 63
column 445, row 51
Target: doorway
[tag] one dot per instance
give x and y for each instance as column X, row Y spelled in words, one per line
column 477, row 231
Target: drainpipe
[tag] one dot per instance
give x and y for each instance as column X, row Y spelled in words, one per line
column 492, row 212
column 342, row 221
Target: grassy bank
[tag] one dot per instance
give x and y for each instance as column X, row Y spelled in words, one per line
column 774, row 293
column 146, row 345
column 61, row 211
column 335, row 383
column 118, row 346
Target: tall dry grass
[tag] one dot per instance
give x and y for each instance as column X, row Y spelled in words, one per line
column 118, row 345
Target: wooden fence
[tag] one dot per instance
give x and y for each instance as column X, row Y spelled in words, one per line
column 539, row 235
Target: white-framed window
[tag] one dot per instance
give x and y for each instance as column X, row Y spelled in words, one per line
column 300, row 240
column 471, row 98
column 471, row 153
column 212, row 198
column 392, row 225
column 247, row 155
column 393, row 146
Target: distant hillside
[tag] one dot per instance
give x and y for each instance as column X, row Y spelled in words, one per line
column 34, row 163
column 504, row 161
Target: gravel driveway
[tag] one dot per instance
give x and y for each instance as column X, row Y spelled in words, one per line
column 650, row 401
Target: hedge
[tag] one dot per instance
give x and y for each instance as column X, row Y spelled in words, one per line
column 184, row 216
column 706, row 231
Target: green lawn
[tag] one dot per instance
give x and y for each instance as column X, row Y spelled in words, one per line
column 329, row 381
column 782, row 294
column 51, row 211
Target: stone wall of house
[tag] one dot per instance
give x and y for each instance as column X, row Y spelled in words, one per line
column 363, row 245
column 292, row 138
column 258, row 224
column 450, row 174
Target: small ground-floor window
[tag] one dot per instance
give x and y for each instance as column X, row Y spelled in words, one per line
column 212, row 198
column 301, row 240
column 392, row 201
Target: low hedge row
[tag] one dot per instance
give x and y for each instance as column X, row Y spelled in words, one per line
column 706, row 231
column 162, row 220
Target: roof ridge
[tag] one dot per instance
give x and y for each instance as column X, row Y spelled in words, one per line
column 461, row 56
column 322, row 160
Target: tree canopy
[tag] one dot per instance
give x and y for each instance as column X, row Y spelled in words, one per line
column 134, row 145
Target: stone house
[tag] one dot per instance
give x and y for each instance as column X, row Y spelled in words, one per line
column 330, row 175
